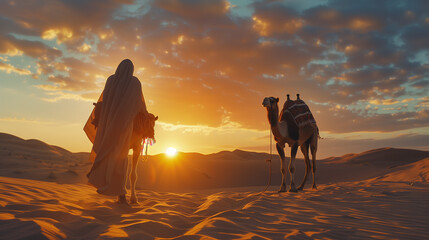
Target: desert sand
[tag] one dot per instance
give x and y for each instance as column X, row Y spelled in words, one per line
column 379, row 194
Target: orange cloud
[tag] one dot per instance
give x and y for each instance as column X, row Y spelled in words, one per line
column 11, row 69
column 383, row 101
column 84, row 48
column 61, row 35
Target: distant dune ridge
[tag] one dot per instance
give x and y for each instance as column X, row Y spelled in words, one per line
column 381, row 193
column 33, row 159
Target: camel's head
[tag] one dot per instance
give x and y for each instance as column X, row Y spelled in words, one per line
column 149, row 126
column 270, row 102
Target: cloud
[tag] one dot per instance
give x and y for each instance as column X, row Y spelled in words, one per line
column 59, row 95
column 276, row 19
column 347, row 120
column 24, row 120
column 11, row 69
column 200, row 59
column 334, row 18
column 204, row 10
column 338, row 147
column 384, row 101
column 11, row 46
column 53, row 94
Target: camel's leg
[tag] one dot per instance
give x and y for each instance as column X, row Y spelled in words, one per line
column 123, row 200
column 133, row 174
column 293, row 151
column 281, row 152
column 313, row 149
column 304, row 150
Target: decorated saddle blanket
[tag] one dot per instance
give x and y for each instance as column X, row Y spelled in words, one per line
column 300, row 112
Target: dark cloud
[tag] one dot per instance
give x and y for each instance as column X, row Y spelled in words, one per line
column 416, row 37
column 421, row 84
column 36, row 49
column 203, row 11
column 9, row 26
column 333, row 18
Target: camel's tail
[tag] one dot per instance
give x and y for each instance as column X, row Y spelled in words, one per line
column 318, row 133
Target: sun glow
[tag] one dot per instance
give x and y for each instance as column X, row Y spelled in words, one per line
column 171, row 152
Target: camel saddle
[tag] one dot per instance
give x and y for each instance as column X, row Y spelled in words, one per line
column 300, row 116
column 300, row 112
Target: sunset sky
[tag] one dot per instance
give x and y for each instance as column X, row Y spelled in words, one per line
column 205, row 67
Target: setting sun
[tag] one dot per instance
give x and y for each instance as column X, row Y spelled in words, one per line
column 171, row 152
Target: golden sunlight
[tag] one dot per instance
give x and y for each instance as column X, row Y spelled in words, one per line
column 171, row 152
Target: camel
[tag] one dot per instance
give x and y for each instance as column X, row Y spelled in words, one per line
column 145, row 130
column 286, row 130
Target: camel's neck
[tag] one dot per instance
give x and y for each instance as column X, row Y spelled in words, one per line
column 273, row 117
column 280, row 133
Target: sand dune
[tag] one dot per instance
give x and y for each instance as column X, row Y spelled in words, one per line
column 413, row 173
column 378, row 194
column 34, row 159
column 41, row 210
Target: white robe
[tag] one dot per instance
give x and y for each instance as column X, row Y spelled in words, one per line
column 122, row 99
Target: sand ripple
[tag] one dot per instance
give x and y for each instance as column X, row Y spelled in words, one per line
column 381, row 210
